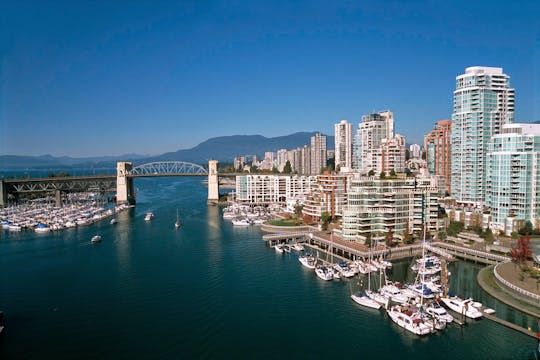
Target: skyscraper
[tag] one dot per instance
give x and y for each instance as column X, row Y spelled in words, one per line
column 318, row 153
column 483, row 102
column 513, row 174
column 371, row 131
column 343, row 137
column 438, row 147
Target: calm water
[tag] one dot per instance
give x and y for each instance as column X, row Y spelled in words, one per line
column 208, row 290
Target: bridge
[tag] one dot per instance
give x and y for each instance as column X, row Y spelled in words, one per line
column 122, row 182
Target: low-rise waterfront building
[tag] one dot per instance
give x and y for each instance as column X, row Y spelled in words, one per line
column 265, row 189
column 329, row 195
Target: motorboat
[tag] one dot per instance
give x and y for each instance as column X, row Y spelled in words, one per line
column 279, row 248
column 14, row 227
column 42, row 228
column 421, row 290
column 408, row 319
column 297, row 247
column 467, row 307
column 362, row 299
column 439, row 312
column 393, row 293
column 344, row 269
column 149, row 216
column 241, row 222
column 177, row 222
column 324, row 273
column 114, row 221
column 375, row 296
column 308, row 261
column 96, row 239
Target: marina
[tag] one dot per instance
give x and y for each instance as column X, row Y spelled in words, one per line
column 66, row 297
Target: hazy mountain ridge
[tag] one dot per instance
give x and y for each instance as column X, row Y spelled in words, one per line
column 222, row 148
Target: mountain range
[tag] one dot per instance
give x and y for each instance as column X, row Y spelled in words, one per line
column 222, row 148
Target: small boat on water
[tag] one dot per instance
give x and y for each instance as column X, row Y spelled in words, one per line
column 149, row 216
column 95, row 239
column 177, row 223
column 114, row 221
column 324, row 273
column 362, row 299
column 409, row 320
column 279, row 248
column 1, row 321
column 439, row 312
column 42, row 228
column 242, row 222
column 297, row 247
column 308, row 261
column 467, row 307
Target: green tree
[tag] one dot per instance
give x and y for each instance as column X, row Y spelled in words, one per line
column 275, row 170
column 287, row 169
column 390, row 238
column 526, row 229
column 392, row 173
column 298, row 210
column 371, row 172
column 368, row 240
column 454, row 228
column 382, row 175
column 488, row 235
column 325, row 219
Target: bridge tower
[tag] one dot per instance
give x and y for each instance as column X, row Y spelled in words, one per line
column 213, row 183
column 124, row 184
column 3, row 193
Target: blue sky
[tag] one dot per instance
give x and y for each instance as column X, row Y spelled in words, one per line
column 96, row 78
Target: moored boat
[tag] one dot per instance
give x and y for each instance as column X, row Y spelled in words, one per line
column 149, row 216
column 362, row 299
column 466, row 307
column 408, row 319
column 95, row 239
column 308, row 261
column 324, row 273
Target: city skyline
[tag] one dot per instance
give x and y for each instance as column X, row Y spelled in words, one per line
column 109, row 79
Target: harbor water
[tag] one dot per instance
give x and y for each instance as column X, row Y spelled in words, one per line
column 207, row 290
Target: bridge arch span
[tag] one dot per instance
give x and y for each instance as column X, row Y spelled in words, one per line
column 168, row 168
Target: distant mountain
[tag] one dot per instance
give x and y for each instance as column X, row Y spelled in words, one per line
column 223, row 149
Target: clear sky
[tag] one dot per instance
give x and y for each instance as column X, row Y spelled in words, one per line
column 90, row 78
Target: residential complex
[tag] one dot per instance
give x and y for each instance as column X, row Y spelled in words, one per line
column 318, row 153
column 266, row 189
column 513, row 174
column 376, row 206
column 483, row 103
column 438, row 147
column 343, row 138
column 329, row 195
column 371, row 132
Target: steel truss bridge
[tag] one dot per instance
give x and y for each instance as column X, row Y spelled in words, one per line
column 168, row 168
column 96, row 183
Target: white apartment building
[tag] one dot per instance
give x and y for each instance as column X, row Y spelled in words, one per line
column 318, row 153
column 328, row 195
column 414, row 151
column 391, row 155
column 343, row 142
column 483, row 103
column 402, row 205
column 266, row 189
column 371, row 131
column 513, row 175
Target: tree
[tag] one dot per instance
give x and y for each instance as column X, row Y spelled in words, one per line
column 382, row 175
column 371, row 172
column 325, row 219
column 392, row 173
column 523, row 250
column 287, row 169
column 274, row 170
column 488, row 235
column 527, row 229
column 454, row 228
column 368, row 240
column 298, row 210
column 390, row 238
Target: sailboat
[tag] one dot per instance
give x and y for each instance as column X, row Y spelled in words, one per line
column 177, row 223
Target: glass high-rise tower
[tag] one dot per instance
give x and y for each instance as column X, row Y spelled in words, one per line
column 483, row 102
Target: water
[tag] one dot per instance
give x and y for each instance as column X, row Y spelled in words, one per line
column 208, row 290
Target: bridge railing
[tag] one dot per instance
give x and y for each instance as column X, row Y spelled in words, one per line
column 168, row 167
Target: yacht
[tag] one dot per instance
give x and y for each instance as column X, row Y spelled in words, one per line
column 362, row 299
column 308, row 261
column 324, row 273
column 114, row 221
column 373, row 295
column 409, row 319
column 149, row 216
column 95, row 239
column 344, row 269
column 279, row 248
column 393, row 293
column 297, row 247
column 467, row 307
column 242, row 222
column 177, row 222
column 439, row 312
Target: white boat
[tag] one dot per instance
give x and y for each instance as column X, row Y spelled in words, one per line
column 409, row 320
column 393, row 293
column 362, row 299
column 95, row 239
column 439, row 312
column 149, row 216
column 42, row 228
column 375, row 296
column 177, row 222
column 467, row 307
column 114, row 221
column 14, row 227
column 5, row 224
column 279, row 248
column 421, row 290
column 286, row 248
column 308, row 261
column 344, row 269
column 324, row 273
column 297, row 247
column 242, row 222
